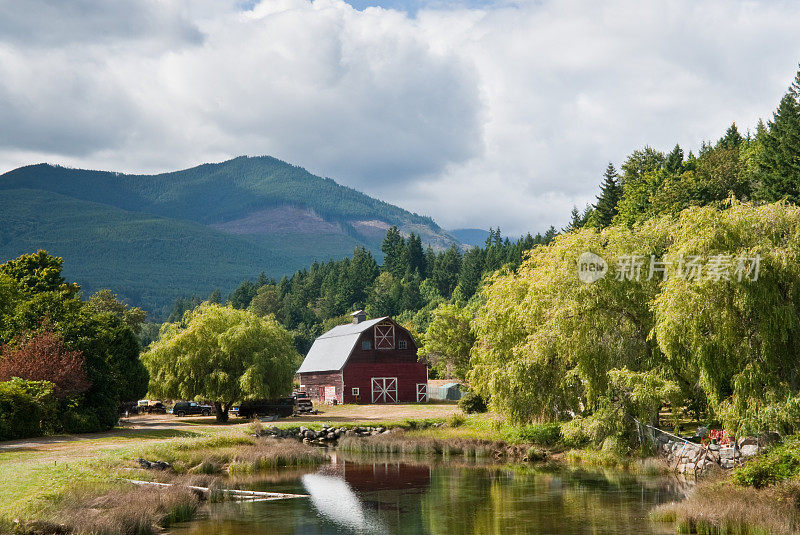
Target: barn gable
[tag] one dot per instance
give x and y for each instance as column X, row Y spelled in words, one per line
column 331, row 350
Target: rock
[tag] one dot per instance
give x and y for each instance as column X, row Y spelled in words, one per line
column 727, row 464
column 702, row 432
column 748, row 450
column 714, row 447
column 153, row 465
column 747, row 441
column 380, row 429
column 331, row 436
column 726, row 453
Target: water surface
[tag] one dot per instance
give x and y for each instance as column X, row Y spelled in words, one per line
column 400, row 497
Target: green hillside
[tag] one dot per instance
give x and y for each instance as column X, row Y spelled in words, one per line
column 152, row 238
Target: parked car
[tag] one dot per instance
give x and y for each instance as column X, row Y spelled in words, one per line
column 190, row 408
column 154, row 407
column 281, row 407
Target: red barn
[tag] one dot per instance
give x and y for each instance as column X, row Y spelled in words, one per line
column 367, row 361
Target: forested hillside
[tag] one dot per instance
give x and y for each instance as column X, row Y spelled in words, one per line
column 412, row 282
column 154, row 238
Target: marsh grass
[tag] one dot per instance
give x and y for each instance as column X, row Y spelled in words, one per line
column 132, row 511
column 399, row 443
column 275, row 454
column 720, row 508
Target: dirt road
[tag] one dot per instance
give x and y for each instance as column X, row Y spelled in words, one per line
column 147, row 427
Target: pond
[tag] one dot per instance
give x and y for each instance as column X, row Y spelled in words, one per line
column 401, row 496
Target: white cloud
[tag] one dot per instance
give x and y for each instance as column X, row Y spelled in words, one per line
column 484, row 116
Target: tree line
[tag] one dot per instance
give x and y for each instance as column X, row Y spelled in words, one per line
column 410, row 284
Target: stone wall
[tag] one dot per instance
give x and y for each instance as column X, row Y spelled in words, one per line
column 686, row 457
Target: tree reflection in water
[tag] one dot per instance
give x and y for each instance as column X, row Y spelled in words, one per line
column 404, row 497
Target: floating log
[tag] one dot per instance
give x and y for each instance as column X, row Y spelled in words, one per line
column 249, row 495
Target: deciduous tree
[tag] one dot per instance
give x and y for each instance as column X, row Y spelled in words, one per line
column 223, row 355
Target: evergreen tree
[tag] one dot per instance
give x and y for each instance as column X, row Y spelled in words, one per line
column 393, row 248
column 610, row 193
column 415, row 257
column 780, row 161
column 471, row 273
column 732, row 138
column 445, row 271
column 674, row 162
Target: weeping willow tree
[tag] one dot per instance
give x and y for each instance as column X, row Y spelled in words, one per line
column 725, row 340
column 223, row 355
column 740, row 337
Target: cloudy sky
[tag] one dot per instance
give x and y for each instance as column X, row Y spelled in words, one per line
column 476, row 113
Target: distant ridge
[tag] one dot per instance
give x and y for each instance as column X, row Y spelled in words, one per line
column 470, row 236
column 152, row 238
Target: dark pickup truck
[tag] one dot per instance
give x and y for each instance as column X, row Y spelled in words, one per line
column 267, row 407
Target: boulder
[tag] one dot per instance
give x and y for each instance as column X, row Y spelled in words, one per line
column 747, row 441
column 748, row 450
column 726, row 454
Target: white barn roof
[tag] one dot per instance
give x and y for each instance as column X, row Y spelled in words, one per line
column 331, row 350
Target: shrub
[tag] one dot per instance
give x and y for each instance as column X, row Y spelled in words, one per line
column 456, row 420
column 472, row 403
column 780, row 463
column 27, row 408
column 547, row 434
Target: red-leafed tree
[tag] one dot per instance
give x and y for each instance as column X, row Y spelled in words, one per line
column 43, row 356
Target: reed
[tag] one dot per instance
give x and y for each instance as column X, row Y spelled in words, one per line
column 128, row 511
column 399, row 443
column 272, row 455
column 720, row 508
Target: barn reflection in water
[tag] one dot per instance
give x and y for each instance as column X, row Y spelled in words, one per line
column 369, row 498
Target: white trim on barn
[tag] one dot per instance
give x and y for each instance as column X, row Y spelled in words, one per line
column 384, row 390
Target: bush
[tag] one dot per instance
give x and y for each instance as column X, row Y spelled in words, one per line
column 456, row 420
column 547, row 434
column 472, row 403
column 27, row 408
column 782, row 462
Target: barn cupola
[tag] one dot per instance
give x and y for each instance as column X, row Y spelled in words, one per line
column 359, row 316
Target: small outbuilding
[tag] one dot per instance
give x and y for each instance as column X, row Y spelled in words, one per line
column 447, row 391
column 366, row 361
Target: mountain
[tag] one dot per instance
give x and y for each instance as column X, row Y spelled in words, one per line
column 474, row 237
column 152, row 238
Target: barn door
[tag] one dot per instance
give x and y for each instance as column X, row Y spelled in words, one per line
column 422, row 392
column 384, row 389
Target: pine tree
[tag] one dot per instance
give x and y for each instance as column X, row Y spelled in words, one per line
column 469, row 277
column 415, row 257
column 732, row 138
column 610, row 193
column 394, row 249
column 445, row 271
column 780, row 161
column 674, row 163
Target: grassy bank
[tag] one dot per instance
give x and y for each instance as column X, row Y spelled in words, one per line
column 762, row 497
column 44, row 493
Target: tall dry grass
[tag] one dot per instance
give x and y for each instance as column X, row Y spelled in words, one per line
column 720, row 508
column 273, row 454
column 134, row 511
column 397, row 443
